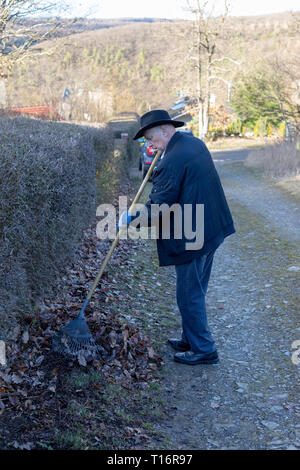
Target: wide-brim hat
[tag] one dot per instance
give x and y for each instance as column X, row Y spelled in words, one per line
column 154, row 118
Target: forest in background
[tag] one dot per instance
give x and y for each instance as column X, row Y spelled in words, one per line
column 134, row 66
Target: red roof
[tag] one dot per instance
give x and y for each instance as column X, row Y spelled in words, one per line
column 41, row 112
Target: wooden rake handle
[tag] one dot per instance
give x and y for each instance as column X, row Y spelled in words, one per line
column 116, row 240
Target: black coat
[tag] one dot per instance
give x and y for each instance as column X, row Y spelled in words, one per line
column 187, row 175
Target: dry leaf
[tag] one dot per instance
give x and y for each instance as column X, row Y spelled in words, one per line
column 2, row 407
column 81, row 358
column 28, row 403
column 214, row 404
column 39, row 360
column 25, row 337
column 16, row 379
column 151, row 352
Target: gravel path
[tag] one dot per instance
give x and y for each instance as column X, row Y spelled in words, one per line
column 250, row 400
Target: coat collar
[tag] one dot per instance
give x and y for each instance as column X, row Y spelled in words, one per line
column 173, row 141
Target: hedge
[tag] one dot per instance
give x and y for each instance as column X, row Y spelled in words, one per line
column 47, row 188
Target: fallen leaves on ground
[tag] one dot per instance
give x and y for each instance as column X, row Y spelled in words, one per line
column 31, row 378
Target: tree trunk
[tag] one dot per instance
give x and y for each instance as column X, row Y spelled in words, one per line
column 200, row 117
column 205, row 117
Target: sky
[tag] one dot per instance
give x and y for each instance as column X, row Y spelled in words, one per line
column 173, row 8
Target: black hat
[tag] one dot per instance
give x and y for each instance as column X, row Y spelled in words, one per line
column 155, row 118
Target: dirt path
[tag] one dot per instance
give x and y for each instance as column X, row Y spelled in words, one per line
column 250, row 400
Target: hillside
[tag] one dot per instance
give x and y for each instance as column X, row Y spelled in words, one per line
column 79, row 25
column 131, row 66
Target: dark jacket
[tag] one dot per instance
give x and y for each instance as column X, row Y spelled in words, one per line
column 187, row 175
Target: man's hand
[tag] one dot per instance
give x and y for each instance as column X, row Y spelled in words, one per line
column 125, row 219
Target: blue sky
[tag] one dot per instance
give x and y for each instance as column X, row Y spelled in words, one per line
column 173, row 8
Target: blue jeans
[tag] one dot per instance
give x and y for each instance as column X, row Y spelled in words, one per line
column 191, row 288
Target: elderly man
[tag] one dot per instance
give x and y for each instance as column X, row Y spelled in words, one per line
column 186, row 175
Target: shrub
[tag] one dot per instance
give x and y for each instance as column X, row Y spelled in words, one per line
column 235, row 127
column 214, row 132
column 269, row 129
column 47, row 199
column 133, row 150
column 276, row 160
column 261, row 127
column 281, row 129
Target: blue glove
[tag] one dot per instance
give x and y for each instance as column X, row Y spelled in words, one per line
column 125, row 219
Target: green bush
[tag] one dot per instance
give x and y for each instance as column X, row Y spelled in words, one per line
column 214, row 132
column 235, row 127
column 281, row 129
column 269, row 129
column 261, row 127
column 48, row 191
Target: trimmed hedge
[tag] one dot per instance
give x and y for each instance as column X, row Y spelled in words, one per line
column 133, row 148
column 47, row 188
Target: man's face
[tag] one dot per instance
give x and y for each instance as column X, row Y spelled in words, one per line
column 157, row 138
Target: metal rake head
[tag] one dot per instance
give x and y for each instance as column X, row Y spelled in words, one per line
column 65, row 344
column 74, row 338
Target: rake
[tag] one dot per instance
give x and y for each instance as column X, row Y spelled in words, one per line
column 76, row 338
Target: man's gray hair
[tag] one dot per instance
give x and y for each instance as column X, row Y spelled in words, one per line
column 168, row 127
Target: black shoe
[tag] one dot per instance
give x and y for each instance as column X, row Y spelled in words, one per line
column 179, row 345
column 192, row 359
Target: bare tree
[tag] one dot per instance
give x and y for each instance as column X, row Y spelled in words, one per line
column 208, row 29
column 23, row 24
